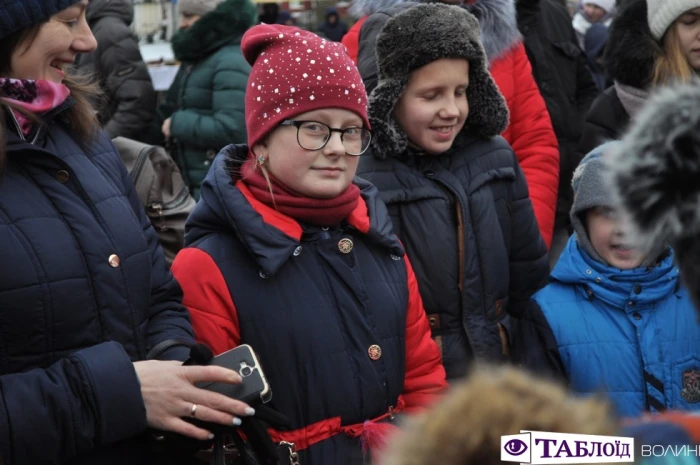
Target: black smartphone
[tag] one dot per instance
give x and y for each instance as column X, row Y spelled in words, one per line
column 242, row 359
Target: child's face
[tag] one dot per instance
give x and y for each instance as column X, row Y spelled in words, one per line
column 323, row 173
column 608, row 232
column 434, row 107
column 594, row 13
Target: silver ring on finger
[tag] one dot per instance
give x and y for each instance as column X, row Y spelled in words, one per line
column 193, row 410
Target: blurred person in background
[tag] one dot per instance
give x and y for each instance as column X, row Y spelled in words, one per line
column 129, row 102
column 652, row 43
column 592, row 12
column 85, row 293
column 333, row 28
column 286, row 18
column 270, row 13
column 565, row 82
column 204, row 108
column 595, row 43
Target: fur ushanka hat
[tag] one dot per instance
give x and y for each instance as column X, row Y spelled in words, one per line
column 415, row 38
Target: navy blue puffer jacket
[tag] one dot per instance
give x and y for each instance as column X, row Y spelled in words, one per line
column 84, row 292
column 467, row 223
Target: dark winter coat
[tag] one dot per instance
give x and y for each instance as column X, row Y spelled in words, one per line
column 252, row 275
column 529, row 131
column 467, row 223
column 594, row 47
column 629, row 61
column 129, row 103
column 564, row 79
column 206, row 102
column 333, row 31
column 84, row 292
column 362, row 9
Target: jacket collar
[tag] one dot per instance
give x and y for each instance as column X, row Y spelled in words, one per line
column 227, row 205
column 613, row 286
column 15, row 134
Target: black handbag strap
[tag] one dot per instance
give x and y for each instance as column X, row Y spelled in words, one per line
column 160, row 348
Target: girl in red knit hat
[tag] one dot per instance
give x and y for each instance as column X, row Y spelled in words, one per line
column 287, row 251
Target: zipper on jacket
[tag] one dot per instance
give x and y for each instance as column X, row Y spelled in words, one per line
column 140, row 162
column 460, row 245
column 18, row 128
column 460, row 229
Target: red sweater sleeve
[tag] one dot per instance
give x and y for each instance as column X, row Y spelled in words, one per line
column 534, row 143
column 208, row 299
column 425, row 375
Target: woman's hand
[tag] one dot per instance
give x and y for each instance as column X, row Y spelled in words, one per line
column 169, row 395
column 166, row 128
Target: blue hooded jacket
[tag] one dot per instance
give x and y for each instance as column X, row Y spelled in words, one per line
column 631, row 333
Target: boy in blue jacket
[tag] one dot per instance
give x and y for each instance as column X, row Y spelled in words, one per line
column 614, row 317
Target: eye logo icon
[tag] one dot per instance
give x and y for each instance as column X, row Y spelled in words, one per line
column 515, row 447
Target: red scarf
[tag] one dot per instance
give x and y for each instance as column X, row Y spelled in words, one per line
column 319, row 212
column 37, row 97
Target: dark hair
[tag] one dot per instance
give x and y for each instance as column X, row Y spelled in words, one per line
column 82, row 117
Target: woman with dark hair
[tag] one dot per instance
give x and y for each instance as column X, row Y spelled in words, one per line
column 86, row 298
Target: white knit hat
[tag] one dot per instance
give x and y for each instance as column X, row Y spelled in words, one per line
column 607, row 5
column 197, row 7
column 662, row 13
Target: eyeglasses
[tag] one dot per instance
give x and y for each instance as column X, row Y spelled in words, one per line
column 312, row 135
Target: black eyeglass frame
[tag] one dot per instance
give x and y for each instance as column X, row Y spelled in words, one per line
column 299, row 123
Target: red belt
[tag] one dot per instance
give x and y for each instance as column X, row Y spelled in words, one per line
column 306, row 437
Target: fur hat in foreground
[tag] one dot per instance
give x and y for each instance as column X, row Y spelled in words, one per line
column 467, row 425
column 417, row 37
column 656, row 173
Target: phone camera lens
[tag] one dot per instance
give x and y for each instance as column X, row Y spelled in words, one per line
column 246, row 371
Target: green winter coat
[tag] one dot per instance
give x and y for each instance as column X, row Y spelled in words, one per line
column 206, row 102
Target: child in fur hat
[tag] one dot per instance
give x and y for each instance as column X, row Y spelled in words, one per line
column 457, row 196
column 615, row 317
column 466, row 427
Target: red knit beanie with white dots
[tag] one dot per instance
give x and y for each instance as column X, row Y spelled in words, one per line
column 295, row 71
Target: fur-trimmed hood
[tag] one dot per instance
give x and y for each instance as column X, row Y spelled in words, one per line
column 499, row 26
column 631, row 50
column 414, row 38
column 223, row 26
column 362, row 8
column 655, row 172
